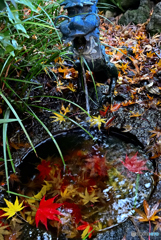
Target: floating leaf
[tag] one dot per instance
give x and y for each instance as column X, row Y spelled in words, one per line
column 44, row 169
column 133, row 165
column 47, row 210
column 88, row 197
column 12, row 209
column 87, row 227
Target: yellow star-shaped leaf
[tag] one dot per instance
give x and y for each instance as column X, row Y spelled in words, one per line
column 58, row 117
column 12, row 208
column 97, row 120
column 88, row 197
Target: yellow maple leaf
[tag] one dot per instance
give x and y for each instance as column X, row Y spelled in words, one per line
column 69, row 192
column 40, row 194
column 135, row 114
column 159, row 63
column 96, row 120
column 88, row 197
column 71, row 87
column 150, row 54
column 58, row 117
column 65, row 110
column 12, row 208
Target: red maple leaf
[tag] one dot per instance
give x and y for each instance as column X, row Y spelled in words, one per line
column 47, row 210
column 133, row 165
column 44, row 169
column 74, row 210
column 103, row 113
column 86, row 226
column 97, row 164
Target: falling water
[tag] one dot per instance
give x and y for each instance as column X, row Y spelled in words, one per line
column 85, row 86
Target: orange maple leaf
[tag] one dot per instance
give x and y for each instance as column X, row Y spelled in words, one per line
column 149, row 215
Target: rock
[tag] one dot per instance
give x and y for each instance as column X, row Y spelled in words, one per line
column 139, row 15
column 109, row 14
column 154, row 26
column 129, row 4
column 125, row 4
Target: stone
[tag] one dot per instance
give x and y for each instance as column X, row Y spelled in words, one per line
column 139, row 15
column 154, row 26
column 125, row 4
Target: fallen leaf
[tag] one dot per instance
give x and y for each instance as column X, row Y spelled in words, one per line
column 133, row 165
column 97, row 165
column 149, row 215
column 44, row 169
column 115, row 107
column 88, row 197
column 12, row 209
column 97, row 120
column 58, row 117
column 87, row 227
column 135, row 114
column 47, row 210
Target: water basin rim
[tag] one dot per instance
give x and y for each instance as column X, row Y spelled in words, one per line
column 125, row 136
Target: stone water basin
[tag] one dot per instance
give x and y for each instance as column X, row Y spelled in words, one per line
column 94, row 187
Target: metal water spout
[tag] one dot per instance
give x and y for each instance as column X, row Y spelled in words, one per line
column 81, row 27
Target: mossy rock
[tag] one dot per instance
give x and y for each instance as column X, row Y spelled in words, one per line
column 139, row 15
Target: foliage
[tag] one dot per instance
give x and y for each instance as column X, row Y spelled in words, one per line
column 47, row 210
column 96, row 121
column 134, row 165
column 88, row 197
column 149, row 215
column 12, row 209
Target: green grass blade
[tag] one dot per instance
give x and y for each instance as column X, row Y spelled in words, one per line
column 18, row 119
column 21, row 80
column 51, row 22
column 21, row 195
column 10, row 156
column 50, row 134
column 66, row 118
column 7, row 120
column 5, row 125
column 66, row 100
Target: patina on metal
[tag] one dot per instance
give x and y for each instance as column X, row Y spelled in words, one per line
column 81, row 27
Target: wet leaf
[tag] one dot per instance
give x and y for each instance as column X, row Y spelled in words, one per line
column 133, row 165
column 87, row 227
column 97, row 165
column 115, row 107
column 44, row 169
column 12, row 209
column 149, row 215
column 13, row 178
column 89, row 197
column 96, row 121
column 71, row 87
column 3, row 231
column 47, row 210
column 65, row 110
column 157, row 225
column 135, row 114
column 69, row 192
column 58, row 117
column 104, row 112
column 74, row 210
